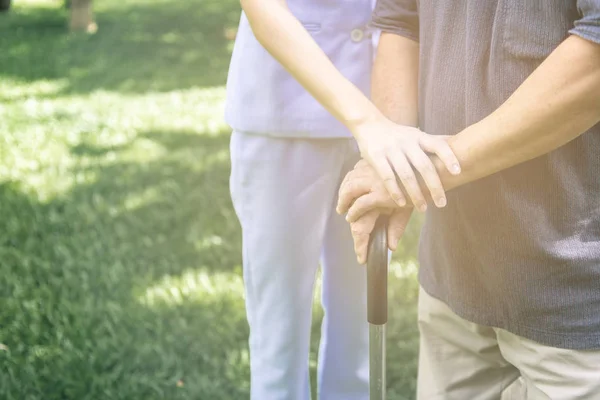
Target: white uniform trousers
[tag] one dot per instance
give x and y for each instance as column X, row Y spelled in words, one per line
column 284, row 192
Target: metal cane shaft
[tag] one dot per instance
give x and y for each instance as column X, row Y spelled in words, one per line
column 377, row 362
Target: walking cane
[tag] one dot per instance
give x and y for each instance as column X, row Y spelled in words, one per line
column 377, row 271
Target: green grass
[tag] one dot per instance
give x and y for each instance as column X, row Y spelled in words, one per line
column 120, row 266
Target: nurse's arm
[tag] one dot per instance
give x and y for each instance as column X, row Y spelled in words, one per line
column 392, row 149
column 284, row 37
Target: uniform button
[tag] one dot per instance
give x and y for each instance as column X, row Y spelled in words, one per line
column 357, row 35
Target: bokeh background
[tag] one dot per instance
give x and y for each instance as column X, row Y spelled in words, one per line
column 120, row 264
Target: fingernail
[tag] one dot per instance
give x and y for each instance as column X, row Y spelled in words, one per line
column 441, row 202
column 456, row 169
column 399, row 200
column 423, row 207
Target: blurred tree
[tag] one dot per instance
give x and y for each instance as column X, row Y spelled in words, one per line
column 82, row 16
column 4, row 5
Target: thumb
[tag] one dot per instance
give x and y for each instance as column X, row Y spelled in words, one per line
column 397, row 224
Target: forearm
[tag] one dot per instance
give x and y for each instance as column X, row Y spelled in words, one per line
column 394, row 84
column 558, row 102
column 284, row 37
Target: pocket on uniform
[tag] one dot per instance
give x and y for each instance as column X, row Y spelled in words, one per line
column 534, row 28
column 312, row 26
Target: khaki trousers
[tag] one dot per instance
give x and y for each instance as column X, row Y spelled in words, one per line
column 460, row 360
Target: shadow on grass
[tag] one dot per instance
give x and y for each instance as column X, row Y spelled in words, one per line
column 76, row 271
column 157, row 46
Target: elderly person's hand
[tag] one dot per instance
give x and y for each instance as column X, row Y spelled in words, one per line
column 362, row 191
column 363, row 227
column 372, row 199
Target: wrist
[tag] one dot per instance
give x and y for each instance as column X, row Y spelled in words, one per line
column 358, row 124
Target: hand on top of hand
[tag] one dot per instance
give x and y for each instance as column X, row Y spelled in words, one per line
column 394, row 150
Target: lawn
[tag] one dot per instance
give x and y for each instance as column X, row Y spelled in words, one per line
column 120, row 266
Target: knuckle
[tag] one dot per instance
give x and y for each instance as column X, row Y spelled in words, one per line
column 420, row 160
column 432, row 144
column 405, row 177
column 415, row 193
column 356, row 230
column 376, row 197
column 390, row 203
column 446, row 154
column 355, row 186
column 365, row 201
column 443, row 146
column 427, row 168
column 397, row 196
column 351, row 215
column 383, row 199
column 436, row 143
column 413, row 189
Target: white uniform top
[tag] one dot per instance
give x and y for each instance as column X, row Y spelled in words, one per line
column 263, row 98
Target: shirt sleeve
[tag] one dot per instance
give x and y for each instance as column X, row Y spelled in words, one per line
column 588, row 26
column 400, row 17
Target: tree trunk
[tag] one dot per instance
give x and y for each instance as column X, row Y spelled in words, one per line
column 4, row 5
column 82, row 16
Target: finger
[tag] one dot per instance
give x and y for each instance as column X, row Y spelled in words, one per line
column 424, row 165
column 351, row 189
column 385, row 172
column 362, row 164
column 369, row 202
column 441, row 148
column 409, row 180
column 346, row 193
column 397, row 224
column 361, row 231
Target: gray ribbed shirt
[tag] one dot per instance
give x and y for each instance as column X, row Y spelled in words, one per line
column 520, row 249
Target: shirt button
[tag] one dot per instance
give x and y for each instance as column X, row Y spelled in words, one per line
column 357, row 35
